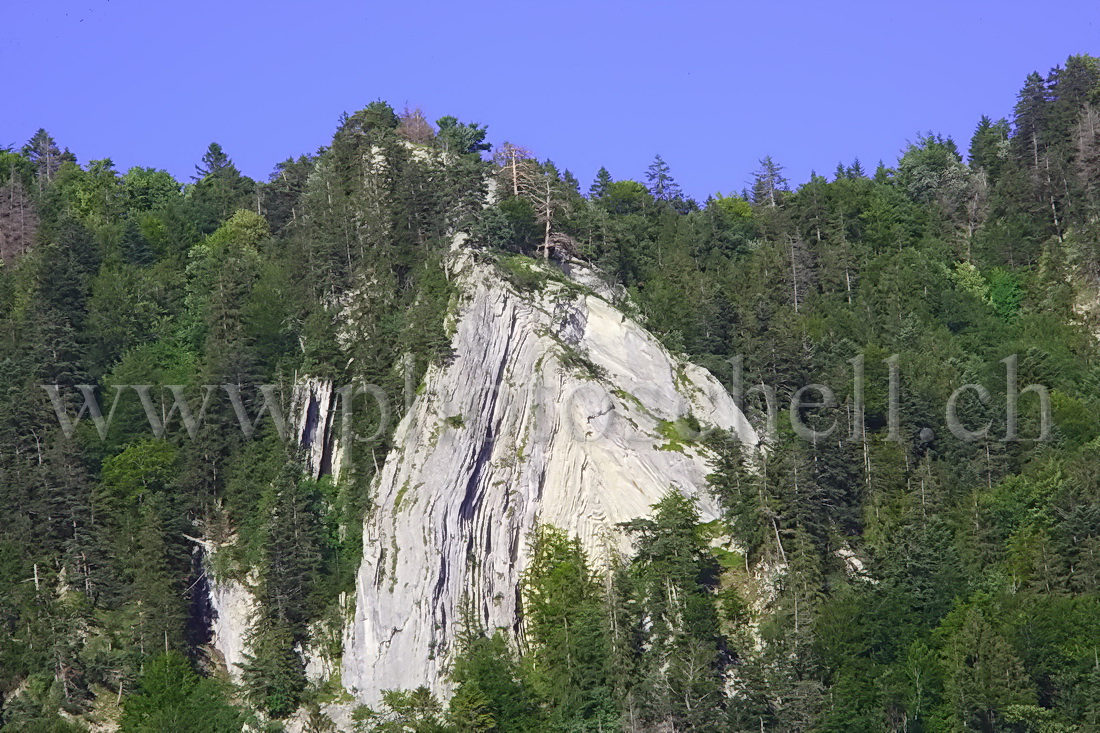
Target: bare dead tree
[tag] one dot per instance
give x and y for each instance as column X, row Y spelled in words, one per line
column 1086, row 138
column 803, row 276
column 414, row 127
column 543, row 190
column 513, row 164
column 977, row 204
column 519, row 171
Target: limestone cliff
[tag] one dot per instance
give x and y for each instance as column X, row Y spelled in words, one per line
column 555, row 408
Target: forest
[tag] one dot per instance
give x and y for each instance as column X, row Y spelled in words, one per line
column 922, row 583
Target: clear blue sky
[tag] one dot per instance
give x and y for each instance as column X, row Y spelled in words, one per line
column 710, row 86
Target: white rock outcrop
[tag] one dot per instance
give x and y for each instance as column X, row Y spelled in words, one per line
column 556, row 408
column 233, row 605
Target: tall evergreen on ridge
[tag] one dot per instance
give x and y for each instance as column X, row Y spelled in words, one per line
column 662, row 186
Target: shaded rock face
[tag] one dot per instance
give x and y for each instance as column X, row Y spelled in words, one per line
column 314, row 408
column 557, row 409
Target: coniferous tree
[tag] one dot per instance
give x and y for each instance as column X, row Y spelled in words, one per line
column 219, row 189
column 44, row 155
column 563, row 607
column 18, row 212
column 600, row 184
column 662, row 186
column 684, row 653
column 460, row 138
column 989, row 147
column 172, row 697
column 768, row 183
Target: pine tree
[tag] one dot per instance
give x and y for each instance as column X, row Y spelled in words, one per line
column 768, row 183
column 989, row 147
column 172, row 697
column 675, row 575
column 44, row 155
column 1031, row 118
column 600, row 184
column 1086, row 149
column 563, row 608
column 469, row 710
column 487, row 674
column 214, row 162
column 293, row 553
column 662, row 186
column 282, row 196
column 738, row 490
column 157, row 594
column 135, row 249
column 219, row 190
column 983, row 675
column 273, row 674
column 1070, row 89
column 18, row 213
column 460, row 138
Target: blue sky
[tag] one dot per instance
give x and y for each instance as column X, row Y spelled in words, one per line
column 710, row 86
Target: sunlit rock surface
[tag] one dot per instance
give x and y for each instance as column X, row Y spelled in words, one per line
column 556, row 408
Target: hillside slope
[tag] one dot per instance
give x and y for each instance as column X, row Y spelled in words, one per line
column 554, row 409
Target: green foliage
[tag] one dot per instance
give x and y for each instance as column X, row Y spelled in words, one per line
column 563, row 604
column 416, row 711
column 460, row 137
column 148, row 189
column 490, row 685
column 218, row 191
column 867, row 583
column 677, row 433
column 172, row 697
column 1005, row 293
column 126, row 479
column 733, row 207
column 682, row 652
column 274, row 675
column 523, row 273
column 931, row 169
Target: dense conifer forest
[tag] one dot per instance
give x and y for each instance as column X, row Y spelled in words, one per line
column 920, row 581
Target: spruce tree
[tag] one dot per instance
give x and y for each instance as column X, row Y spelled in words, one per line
column 600, row 185
column 44, row 155
column 662, row 186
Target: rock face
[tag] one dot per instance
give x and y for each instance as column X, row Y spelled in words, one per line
column 313, row 409
column 233, row 606
column 556, row 408
column 313, row 416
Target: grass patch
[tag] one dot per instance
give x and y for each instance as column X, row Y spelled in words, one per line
column 728, row 559
column 455, row 421
column 522, row 273
column 400, row 496
column 626, row 398
column 680, row 432
column 331, row 690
